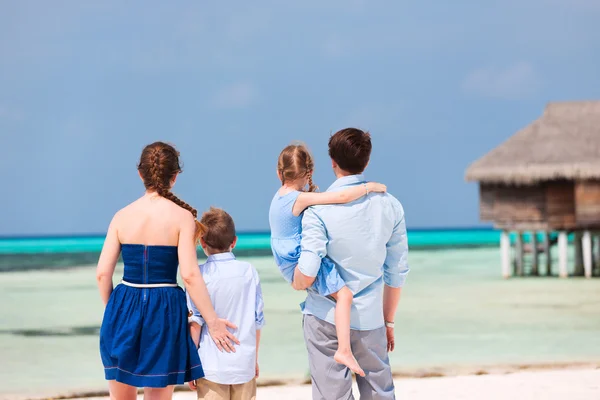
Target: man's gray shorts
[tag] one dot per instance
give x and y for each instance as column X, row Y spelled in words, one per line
column 333, row 381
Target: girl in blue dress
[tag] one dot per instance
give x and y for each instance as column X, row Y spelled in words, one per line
column 294, row 168
column 144, row 338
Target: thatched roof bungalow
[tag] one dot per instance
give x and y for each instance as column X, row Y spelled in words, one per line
column 546, row 177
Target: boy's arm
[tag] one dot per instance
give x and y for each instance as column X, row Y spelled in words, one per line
column 257, row 345
column 259, row 314
column 257, row 342
column 193, row 313
column 195, row 330
column 307, row 199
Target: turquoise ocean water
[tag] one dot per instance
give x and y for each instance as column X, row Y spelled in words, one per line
column 246, row 241
column 59, row 252
column 456, row 312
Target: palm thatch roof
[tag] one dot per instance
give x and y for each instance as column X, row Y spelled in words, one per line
column 564, row 143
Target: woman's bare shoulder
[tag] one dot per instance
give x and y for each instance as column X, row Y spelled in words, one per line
column 158, row 209
column 126, row 212
column 128, row 208
column 179, row 214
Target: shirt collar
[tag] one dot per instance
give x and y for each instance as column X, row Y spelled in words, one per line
column 347, row 181
column 228, row 256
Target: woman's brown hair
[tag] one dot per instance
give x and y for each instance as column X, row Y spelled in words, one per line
column 158, row 166
column 295, row 162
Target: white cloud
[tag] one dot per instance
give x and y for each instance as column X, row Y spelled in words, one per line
column 513, row 82
column 239, row 95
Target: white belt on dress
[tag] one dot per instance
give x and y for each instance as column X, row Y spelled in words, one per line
column 149, row 285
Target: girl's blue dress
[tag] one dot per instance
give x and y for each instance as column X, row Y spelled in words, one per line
column 144, row 338
column 286, row 233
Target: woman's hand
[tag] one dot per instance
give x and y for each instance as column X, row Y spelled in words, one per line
column 193, row 385
column 257, row 370
column 389, row 332
column 224, row 339
column 374, row 187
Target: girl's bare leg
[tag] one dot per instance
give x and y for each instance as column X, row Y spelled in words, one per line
column 344, row 355
column 121, row 391
column 159, row 393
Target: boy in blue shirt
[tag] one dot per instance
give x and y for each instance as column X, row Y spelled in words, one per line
column 234, row 289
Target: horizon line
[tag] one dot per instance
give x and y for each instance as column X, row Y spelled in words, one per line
column 244, row 232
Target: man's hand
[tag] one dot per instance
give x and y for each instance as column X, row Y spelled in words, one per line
column 389, row 332
column 391, row 297
column 193, row 385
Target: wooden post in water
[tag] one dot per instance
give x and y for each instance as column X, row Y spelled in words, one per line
column 535, row 271
column 547, row 252
column 597, row 254
column 505, row 254
column 578, row 244
column 563, row 272
column 586, row 247
column 519, row 254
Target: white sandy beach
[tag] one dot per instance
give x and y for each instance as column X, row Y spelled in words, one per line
column 574, row 384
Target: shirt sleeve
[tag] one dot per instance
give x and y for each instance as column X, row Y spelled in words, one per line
column 314, row 243
column 395, row 268
column 193, row 313
column 260, row 304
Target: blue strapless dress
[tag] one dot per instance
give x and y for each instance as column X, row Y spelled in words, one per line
column 144, row 338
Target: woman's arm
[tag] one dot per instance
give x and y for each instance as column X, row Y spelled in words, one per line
column 307, row 199
column 108, row 260
column 195, row 286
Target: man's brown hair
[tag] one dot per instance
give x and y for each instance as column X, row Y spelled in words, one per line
column 350, row 148
column 220, row 229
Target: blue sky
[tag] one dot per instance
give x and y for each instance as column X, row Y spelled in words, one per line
column 85, row 85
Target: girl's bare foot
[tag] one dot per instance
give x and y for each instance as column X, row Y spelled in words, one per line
column 347, row 358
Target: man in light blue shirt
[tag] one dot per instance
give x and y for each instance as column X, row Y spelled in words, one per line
column 366, row 239
column 235, row 292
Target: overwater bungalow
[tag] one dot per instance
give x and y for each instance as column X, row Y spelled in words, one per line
column 545, row 181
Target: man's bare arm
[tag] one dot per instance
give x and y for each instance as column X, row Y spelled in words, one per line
column 391, row 298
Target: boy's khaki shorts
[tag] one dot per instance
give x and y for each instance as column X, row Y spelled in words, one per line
column 208, row 390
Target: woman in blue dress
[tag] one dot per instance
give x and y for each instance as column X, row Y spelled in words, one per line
column 144, row 338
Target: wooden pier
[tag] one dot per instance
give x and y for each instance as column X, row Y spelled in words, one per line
column 544, row 182
column 523, row 259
